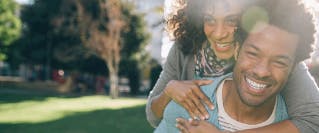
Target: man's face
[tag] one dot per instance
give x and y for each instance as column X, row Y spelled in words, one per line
column 264, row 63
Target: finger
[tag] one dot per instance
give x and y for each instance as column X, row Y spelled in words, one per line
column 200, row 107
column 182, row 129
column 188, row 109
column 190, row 106
column 181, row 121
column 204, row 98
column 202, row 82
column 194, row 122
column 193, row 108
column 182, row 125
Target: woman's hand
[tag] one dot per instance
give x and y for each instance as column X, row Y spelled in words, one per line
column 189, row 95
column 195, row 126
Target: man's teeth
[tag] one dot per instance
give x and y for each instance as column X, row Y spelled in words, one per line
column 255, row 85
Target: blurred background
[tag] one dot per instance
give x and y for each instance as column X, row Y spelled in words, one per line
column 84, row 66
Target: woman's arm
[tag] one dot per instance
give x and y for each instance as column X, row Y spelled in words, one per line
column 169, row 87
column 191, row 126
column 281, row 127
column 169, row 72
column 302, row 97
column 186, row 93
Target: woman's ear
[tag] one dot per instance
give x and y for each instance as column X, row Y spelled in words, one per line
column 236, row 52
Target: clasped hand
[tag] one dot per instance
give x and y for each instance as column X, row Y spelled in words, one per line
column 189, row 95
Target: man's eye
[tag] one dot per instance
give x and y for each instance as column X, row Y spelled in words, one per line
column 280, row 64
column 251, row 54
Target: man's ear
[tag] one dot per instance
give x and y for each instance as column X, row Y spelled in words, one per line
column 236, row 52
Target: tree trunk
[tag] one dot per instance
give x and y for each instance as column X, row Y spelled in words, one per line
column 114, row 85
column 112, row 65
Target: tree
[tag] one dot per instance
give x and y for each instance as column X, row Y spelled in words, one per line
column 51, row 42
column 10, row 25
column 38, row 41
column 133, row 54
column 100, row 31
column 79, row 34
column 110, row 30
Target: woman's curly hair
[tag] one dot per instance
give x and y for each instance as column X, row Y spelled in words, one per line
column 186, row 24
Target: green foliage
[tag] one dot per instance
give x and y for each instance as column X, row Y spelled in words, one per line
column 133, row 52
column 46, row 41
column 134, row 36
column 51, row 33
column 10, row 25
column 38, row 39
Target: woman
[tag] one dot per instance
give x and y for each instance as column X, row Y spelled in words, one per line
column 206, row 35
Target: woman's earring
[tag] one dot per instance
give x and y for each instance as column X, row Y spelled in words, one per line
column 236, row 51
column 235, row 29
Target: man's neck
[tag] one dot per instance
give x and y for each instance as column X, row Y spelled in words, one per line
column 241, row 112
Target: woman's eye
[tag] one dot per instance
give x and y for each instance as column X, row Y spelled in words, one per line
column 232, row 22
column 209, row 20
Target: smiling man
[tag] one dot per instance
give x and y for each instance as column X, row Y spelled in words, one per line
column 250, row 97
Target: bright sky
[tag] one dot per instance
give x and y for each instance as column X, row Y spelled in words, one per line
column 312, row 3
column 24, row 1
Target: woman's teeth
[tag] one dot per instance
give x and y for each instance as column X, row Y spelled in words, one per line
column 255, row 85
column 223, row 45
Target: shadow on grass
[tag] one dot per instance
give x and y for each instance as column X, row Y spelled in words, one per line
column 13, row 92
column 16, row 96
column 127, row 120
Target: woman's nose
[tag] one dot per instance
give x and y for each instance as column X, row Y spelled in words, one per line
column 220, row 32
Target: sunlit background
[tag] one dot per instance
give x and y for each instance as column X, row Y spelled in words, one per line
column 165, row 41
column 41, row 102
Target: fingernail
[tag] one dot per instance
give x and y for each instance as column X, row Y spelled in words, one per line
column 177, row 119
column 212, row 108
column 206, row 117
column 197, row 118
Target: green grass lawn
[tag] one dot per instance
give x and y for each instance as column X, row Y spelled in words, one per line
column 30, row 113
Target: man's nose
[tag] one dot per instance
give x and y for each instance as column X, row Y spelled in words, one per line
column 262, row 69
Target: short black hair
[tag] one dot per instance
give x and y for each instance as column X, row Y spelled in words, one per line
column 292, row 16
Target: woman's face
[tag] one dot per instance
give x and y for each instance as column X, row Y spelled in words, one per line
column 220, row 23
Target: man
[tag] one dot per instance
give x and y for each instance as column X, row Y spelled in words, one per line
column 251, row 98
